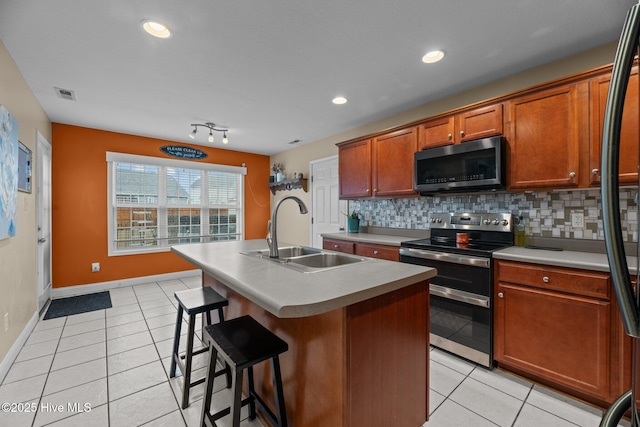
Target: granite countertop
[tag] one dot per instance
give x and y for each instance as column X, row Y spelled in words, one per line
column 593, row 257
column 288, row 293
column 380, row 238
column 571, row 259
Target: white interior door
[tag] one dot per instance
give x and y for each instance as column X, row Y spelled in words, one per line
column 325, row 205
column 43, row 202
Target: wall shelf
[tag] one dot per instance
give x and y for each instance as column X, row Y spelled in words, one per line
column 288, row 184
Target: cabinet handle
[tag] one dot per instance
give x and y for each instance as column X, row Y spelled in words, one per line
column 367, row 190
column 450, row 136
column 500, row 295
column 595, row 171
column 572, row 174
column 375, row 190
column 545, row 279
column 461, row 133
column 335, row 246
column 375, row 252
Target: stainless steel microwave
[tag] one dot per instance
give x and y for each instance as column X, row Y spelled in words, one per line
column 467, row 167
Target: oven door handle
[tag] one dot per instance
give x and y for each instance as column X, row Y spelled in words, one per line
column 461, row 296
column 446, row 257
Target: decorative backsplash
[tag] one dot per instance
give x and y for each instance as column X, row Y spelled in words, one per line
column 547, row 214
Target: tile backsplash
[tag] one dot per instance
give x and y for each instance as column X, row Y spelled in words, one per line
column 547, row 214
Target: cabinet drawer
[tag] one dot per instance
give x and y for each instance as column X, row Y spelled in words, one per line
column 390, row 253
column 339, row 246
column 580, row 282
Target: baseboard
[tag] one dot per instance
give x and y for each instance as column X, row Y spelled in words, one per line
column 71, row 291
column 11, row 356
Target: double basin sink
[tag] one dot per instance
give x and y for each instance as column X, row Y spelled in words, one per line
column 306, row 259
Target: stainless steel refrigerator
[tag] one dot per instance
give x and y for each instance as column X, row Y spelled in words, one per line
column 628, row 301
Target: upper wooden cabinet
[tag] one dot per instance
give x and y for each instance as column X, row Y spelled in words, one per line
column 629, row 133
column 354, row 164
column 544, row 139
column 393, row 163
column 379, row 167
column 467, row 126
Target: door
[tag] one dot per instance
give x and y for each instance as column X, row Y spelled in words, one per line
column 326, row 207
column 43, row 201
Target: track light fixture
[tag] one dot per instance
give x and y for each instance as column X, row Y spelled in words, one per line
column 211, row 127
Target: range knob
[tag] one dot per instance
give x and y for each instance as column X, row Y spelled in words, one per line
column 487, row 222
column 505, row 222
column 496, row 221
column 433, row 220
column 439, row 220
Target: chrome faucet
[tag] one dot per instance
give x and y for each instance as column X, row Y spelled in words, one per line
column 272, row 225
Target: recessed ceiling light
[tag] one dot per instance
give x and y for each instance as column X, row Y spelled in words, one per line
column 433, row 56
column 339, row 100
column 156, row 29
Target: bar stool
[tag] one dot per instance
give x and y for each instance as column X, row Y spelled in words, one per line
column 242, row 343
column 193, row 302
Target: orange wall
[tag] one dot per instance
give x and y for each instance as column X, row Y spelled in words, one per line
column 79, row 204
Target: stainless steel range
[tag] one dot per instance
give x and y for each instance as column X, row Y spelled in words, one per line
column 460, row 248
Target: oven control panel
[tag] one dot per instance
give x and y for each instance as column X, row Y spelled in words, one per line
column 472, row 221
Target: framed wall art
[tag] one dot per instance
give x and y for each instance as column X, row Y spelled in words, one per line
column 8, row 173
column 24, row 168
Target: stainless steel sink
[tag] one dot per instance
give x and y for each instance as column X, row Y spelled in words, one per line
column 325, row 260
column 306, row 259
column 285, row 252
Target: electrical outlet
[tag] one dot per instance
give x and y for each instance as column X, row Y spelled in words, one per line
column 95, row 267
column 577, row 220
column 6, row 322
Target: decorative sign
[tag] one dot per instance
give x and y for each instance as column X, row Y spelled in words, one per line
column 183, row 152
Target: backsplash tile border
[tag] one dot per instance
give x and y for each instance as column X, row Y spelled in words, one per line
column 547, row 214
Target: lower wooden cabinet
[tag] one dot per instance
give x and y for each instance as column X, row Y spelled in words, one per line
column 561, row 327
column 371, row 250
column 339, row 246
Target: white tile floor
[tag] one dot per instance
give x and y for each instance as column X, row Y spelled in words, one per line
column 116, row 361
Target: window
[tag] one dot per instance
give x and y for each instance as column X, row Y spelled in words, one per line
column 155, row 203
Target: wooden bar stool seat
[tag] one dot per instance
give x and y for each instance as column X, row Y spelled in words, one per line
column 193, row 302
column 242, row 343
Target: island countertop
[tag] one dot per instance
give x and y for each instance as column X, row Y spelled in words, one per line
column 287, row 293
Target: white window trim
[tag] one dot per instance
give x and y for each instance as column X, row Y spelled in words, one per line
column 112, row 157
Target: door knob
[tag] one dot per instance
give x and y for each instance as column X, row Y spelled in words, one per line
column 572, row 174
column 595, row 171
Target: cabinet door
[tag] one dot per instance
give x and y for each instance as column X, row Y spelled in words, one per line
column 436, row 133
column 390, row 253
column 564, row 339
column 629, row 133
column 393, row 163
column 480, row 123
column 544, row 139
column 354, row 164
column 339, row 246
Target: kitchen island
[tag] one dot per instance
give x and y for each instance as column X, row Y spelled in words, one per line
column 357, row 334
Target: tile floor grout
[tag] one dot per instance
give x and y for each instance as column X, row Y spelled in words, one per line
column 461, row 392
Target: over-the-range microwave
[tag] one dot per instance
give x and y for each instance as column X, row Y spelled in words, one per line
column 467, row 167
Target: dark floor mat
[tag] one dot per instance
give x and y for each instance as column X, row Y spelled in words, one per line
column 78, row 304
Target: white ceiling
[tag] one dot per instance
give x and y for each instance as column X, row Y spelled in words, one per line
column 268, row 69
